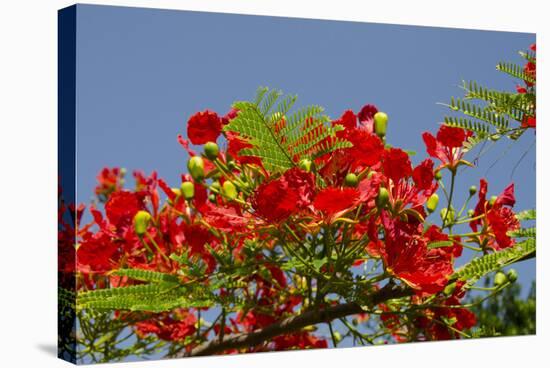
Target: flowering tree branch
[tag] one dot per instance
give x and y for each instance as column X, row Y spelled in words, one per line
column 295, row 323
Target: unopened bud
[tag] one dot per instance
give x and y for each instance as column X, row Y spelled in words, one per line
column 211, row 150
column 229, row 190
column 383, row 197
column 187, row 189
column 380, row 124
column 141, row 222
column 351, row 180
column 432, row 202
column 196, row 167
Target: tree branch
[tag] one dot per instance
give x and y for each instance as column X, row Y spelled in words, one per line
column 295, row 323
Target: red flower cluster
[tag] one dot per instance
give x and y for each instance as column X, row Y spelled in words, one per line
column 495, row 218
column 447, row 146
column 230, row 216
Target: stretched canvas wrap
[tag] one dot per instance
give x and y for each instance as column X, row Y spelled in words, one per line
column 232, row 184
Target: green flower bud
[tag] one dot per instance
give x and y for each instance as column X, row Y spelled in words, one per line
column 196, row 168
column 492, row 200
column 212, row 198
column 438, row 175
column 432, row 202
column 380, row 123
column 512, row 275
column 370, row 174
column 383, row 197
column 229, row 190
column 337, row 336
column 211, row 150
column 500, row 278
column 473, row 190
column 187, row 189
column 471, row 213
column 305, row 164
column 141, row 222
column 351, row 180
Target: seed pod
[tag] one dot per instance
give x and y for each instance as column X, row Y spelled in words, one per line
column 383, row 197
column 492, row 200
column 351, row 180
column 212, row 198
column 211, row 150
column 305, row 164
column 380, row 123
column 438, row 175
column 471, row 213
column 473, row 190
column 187, row 189
column 512, row 275
column 432, row 202
column 196, row 168
column 141, row 222
column 500, row 278
column 229, row 190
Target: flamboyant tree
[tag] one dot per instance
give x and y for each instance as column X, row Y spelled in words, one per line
column 291, row 231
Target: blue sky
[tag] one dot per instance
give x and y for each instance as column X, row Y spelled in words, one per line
column 142, row 73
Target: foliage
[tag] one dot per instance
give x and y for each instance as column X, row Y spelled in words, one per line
column 492, row 114
column 507, row 314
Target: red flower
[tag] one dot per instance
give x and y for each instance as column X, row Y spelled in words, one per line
column 366, row 117
column 121, row 208
column 97, row 253
column 332, row 201
column 450, row 136
column 433, row 322
column 447, row 146
column 204, row 126
column 496, row 219
column 407, row 256
column 396, row 164
column 531, row 70
column 196, row 238
column 234, row 146
column 521, row 89
column 529, row 122
column 348, row 120
column 109, row 180
column 278, row 199
column 366, row 149
column 423, row 174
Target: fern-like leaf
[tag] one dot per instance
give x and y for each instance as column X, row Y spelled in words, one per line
column 279, row 138
column 515, row 71
column 488, row 263
column 146, row 275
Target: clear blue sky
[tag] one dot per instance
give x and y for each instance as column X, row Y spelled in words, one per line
column 141, row 73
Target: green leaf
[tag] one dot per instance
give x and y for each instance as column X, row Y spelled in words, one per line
column 305, row 133
column 478, row 267
column 146, row 275
column 527, row 215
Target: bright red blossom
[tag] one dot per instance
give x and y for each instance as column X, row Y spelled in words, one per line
column 396, row 164
column 278, row 199
column 331, row 201
column 203, row 127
